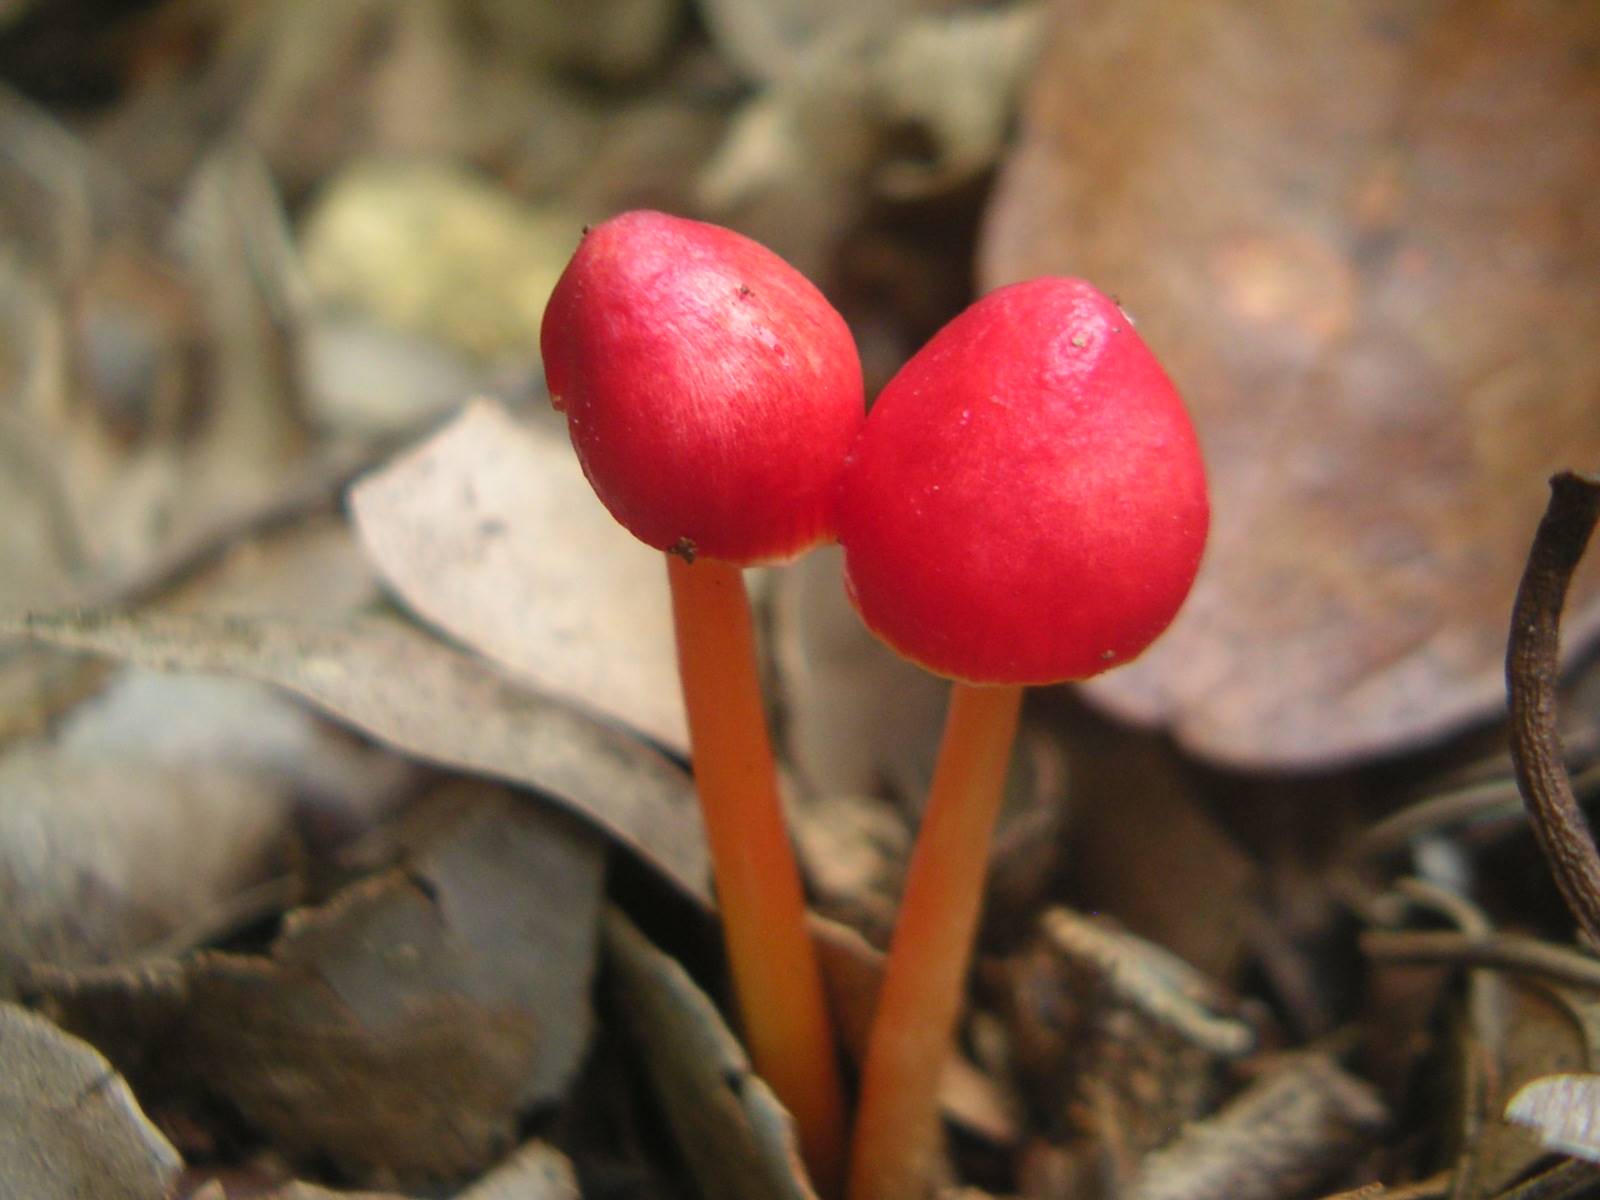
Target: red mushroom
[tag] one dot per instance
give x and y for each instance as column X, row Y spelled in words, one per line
column 712, row 394
column 1025, row 504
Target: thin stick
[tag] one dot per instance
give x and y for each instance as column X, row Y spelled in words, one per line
column 1531, row 673
column 1496, row 952
column 775, row 976
column 897, row 1126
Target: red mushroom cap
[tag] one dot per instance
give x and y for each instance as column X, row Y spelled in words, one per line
column 711, row 392
column 1026, row 502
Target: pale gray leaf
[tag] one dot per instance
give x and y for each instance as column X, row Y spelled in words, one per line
column 1564, row 1109
column 100, row 857
column 737, row 1139
column 393, row 682
column 69, row 1126
column 490, row 531
column 537, row 1171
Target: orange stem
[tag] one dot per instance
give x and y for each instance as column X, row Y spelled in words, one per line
column 776, row 980
column 897, row 1122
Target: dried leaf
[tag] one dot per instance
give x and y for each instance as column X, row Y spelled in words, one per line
column 537, row 1171
column 840, row 735
column 802, row 158
column 1365, row 250
column 1158, row 984
column 853, row 851
column 852, row 973
column 187, row 721
column 419, row 696
column 429, row 247
column 103, row 855
column 1145, row 845
column 1529, row 1033
column 737, row 1139
column 490, row 531
column 615, row 39
column 451, row 994
column 368, row 379
column 308, row 1191
column 69, row 1126
column 1117, row 1041
column 310, row 568
column 1564, row 1110
column 1294, row 1127
column 768, row 39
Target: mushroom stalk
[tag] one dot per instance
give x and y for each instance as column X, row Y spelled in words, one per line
column 897, row 1123
column 776, row 980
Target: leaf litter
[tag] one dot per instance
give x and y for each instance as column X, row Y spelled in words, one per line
column 288, row 899
column 450, row 992
column 450, row 709
column 68, row 1123
column 462, row 529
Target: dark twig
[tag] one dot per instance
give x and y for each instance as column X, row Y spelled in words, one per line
column 1531, row 671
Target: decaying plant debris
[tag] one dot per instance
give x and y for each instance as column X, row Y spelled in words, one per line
column 347, row 846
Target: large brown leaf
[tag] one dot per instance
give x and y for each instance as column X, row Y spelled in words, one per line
column 1366, row 241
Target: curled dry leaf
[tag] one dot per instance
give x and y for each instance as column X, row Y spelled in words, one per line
column 391, row 681
column 737, row 1139
column 1296, row 1126
column 1564, row 1110
column 296, row 1191
column 1525, row 1033
column 450, row 994
column 1365, row 249
column 490, row 531
column 1119, row 1042
column 1145, row 977
column 537, row 1171
column 69, row 1126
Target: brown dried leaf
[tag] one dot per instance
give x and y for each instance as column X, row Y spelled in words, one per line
column 490, row 531
column 69, row 1126
column 1299, row 1124
column 415, row 694
column 449, row 994
column 1117, row 1041
column 1144, row 846
column 1365, row 248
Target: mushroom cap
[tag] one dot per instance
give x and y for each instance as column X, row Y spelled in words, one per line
column 711, row 392
column 1026, row 502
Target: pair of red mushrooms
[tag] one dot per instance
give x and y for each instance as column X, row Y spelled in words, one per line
column 1025, row 504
